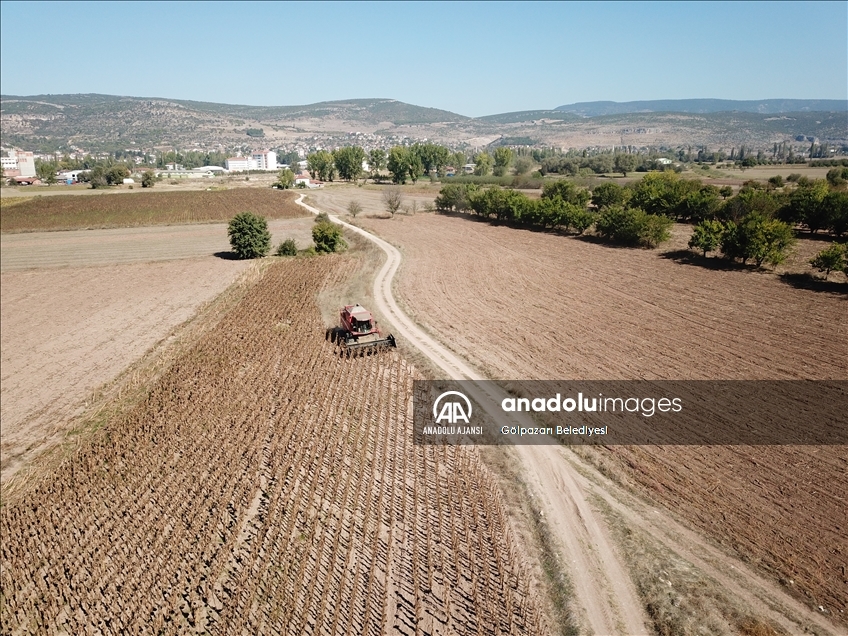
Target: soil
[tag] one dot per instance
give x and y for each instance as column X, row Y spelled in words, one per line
column 529, row 305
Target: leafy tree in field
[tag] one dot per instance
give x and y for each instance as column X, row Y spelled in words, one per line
column 392, row 199
column 502, row 157
column 348, row 162
column 806, row 205
column 399, row 164
column 321, row 166
column 707, row 235
column 116, row 174
column 625, row 163
column 725, row 191
column 608, row 194
column 46, row 171
column 632, row 226
column 600, row 164
column 354, row 208
column 836, row 204
column 522, row 165
column 433, row 157
column 287, row 248
column 837, row 176
column 456, row 196
column 376, row 161
column 285, row 179
column 758, row 237
column 148, row 179
column 483, row 164
column 249, row 235
column 776, row 181
column 327, row 237
column 833, row 258
column 752, row 200
column 416, row 167
column 568, row 192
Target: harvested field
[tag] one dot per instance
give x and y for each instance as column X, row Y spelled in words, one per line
column 143, row 208
column 77, row 248
column 265, row 486
column 65, row 332
column 530, row 305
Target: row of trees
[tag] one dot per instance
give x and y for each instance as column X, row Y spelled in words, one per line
column 410, row 163
column 562, row 206
column 816, row 204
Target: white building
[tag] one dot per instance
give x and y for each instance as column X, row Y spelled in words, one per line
column 240, row 164
column 19, row 164
column 265, row 160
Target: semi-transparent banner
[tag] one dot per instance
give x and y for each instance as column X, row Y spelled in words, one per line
column 631, row 412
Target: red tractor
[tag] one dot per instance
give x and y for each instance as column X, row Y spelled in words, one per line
column 358, row 331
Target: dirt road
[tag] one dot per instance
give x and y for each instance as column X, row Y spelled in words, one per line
column 601, row 584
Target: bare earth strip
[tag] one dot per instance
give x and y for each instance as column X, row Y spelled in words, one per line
column 78, row 307
column 60, row 344
column 124, row 245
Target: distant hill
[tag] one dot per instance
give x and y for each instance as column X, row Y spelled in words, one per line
column 95, row 123
column 703, row 106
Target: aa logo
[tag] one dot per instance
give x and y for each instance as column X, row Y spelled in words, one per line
column 452, row 411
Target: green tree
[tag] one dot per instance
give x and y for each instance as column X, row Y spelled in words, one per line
column 148, row 179
column 376, row 161
column 522, row 165
column 321, row 166
column 433, row 157
column 806, row 205
column 502, row 157
column 116, row 174
column 832, row 258
column 567, row 191
column 707, row 235
column 399, row 164
column 348, row 161
column 608, row 194
column 46, row 171
column 249, row 235
column 285, row 179
column 725, row 191
column 483, row 164
column 632, row 226
column 836, row 204
column 287, row 248
column 327, row 237
column 416, row 167
column 624, row 163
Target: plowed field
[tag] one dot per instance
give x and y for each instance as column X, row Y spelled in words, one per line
column 264, row 486
column 527, row 305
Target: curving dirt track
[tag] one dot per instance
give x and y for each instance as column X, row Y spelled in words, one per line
column 582, row 310
column 606, row 594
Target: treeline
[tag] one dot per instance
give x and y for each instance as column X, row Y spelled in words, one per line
column 757, row 223
column 411, row 163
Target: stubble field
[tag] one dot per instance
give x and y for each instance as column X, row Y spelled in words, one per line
column 265, row 485
column 528, row 305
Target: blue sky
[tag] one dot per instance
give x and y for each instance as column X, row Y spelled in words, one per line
column 474, row 59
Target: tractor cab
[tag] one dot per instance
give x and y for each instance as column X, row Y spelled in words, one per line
column 358, row 330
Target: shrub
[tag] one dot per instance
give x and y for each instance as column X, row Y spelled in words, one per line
column 758, row 237
column 249, row 235
column 608, row 194
column 632, row 226
column 327, row 237
column 148, row 179
column 707, row 235
column 287, row 248
column 833, row 258
column 354, row 208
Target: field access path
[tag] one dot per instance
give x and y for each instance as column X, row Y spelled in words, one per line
column 601, row 584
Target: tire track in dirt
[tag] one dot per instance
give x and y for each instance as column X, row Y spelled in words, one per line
column 603, row 589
